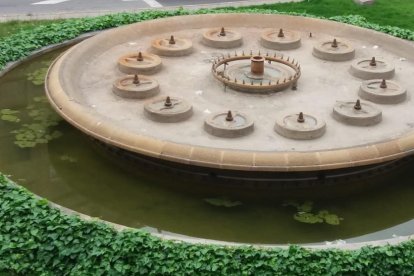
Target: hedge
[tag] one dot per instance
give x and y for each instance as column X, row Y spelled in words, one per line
column 37, row 239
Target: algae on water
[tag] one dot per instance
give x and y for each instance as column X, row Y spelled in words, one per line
column 37, row 127
column 67, row 158
column 37, row 77
column 304, row 214
column 9, row 115
column 222, row 202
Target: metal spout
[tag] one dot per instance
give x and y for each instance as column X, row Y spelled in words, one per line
column 357, row 105
column 301, row 118
column 172, row 40
column 229, row 117
column 168, row 102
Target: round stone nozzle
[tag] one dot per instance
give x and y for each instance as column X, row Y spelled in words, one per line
column 229, row 116
column 281, row 34
column 301, row 118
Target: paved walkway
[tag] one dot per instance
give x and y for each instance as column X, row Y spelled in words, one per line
column 50, row 9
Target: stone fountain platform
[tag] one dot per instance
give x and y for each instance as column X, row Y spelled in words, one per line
column 79, row 86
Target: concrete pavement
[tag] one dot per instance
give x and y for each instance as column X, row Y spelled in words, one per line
column 50, row 9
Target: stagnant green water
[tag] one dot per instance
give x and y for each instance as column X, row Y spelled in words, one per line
column 54, row 160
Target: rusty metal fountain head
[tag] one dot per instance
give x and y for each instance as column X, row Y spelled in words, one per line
column 136, row 79
column 229, row 117
column 222, row 32
column 281, row 34
column 373, row 62
column 383, row 84
column 168, row 102
column 301, row 118
column 140, row 57
column 334, row 43
column 357, row 105
column 172, row 40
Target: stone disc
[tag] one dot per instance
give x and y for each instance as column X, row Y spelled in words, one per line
column 362, row 69
column 126, row 88
column 240, row 125
column 231, row 39
column 346, row 113
column 271, row 40
column 179, row 110
column 162, row 47
column 129, row 64
column 289, row 127
column 393, row 93
column 342, row 52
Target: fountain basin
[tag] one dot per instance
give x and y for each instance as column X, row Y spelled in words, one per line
column 190, row 77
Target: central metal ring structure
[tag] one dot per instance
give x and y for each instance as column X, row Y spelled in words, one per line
column 258, row 83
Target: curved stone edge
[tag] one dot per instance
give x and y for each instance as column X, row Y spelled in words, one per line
column 233, row 159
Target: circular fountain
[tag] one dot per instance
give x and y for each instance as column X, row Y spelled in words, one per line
column 135, row 87
column 229, row 124
column 372, row 68
column 172, row 47
column 256, row 73
column 195, row 139
column 382, row 91
column 168, row 110
column 262, row 162
column 300, row 126
column 222, row 38
column 139, row 63
column 357, row 113
column 280, row 39
column 334, row 50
